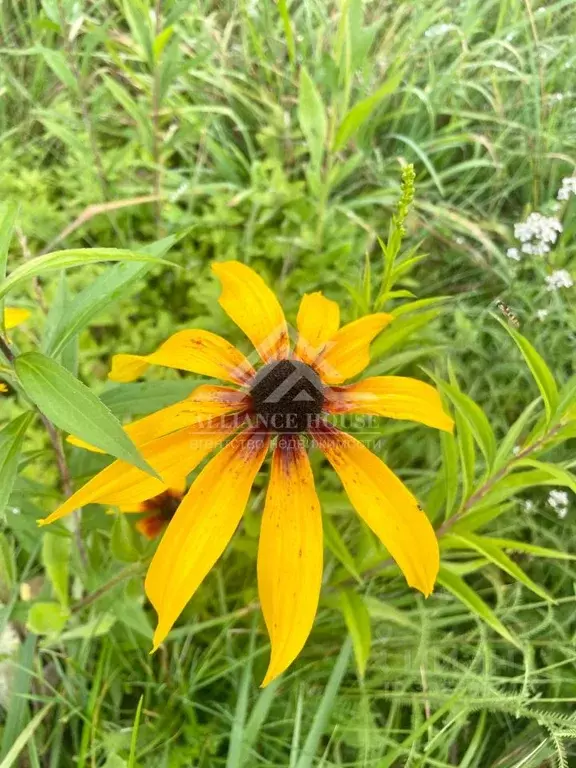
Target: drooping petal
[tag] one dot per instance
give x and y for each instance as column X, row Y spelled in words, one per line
column 318, row 320
column 396, row 397
column 347, row 353
column 385, row 505
column 254, row 308
column 289, row 555
column 206, row 402
column 173, row 456
column 13, row 316
column 202, row 527
column 194, row 350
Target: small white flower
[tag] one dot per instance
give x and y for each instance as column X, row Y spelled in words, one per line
column 558, row 500
column 513, row 253
column 555, row 98
column 568, row 188
column 542, row 314
column 16, row 510
column 437, row 30
column 528, row 505
column 560, row 278
column 516, row 450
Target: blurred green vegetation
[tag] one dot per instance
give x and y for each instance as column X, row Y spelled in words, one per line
column 275, row 133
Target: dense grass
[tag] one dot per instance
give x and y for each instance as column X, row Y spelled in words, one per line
column 188, row 122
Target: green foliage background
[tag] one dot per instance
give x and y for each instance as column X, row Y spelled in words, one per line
column 275, row 133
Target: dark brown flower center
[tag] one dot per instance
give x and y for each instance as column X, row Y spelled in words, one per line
column 287, row 396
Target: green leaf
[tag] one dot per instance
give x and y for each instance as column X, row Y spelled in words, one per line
column 361, row 111
column 465, row 441
column 357, row 620
column 58, row 64
column 458, row 587
column 71, row 406
column 337, row 546
column 540, row 371
column 491, row 551
column 7, row 566
column 56, row 550
column 75, row 257
column 142, row 398
column 475, row 418
column 380, row 610
column 312, row 117
column 322, row 712
column 288, row 34
column 24, row 737
column 556, row 472
column 107, row 289
column 476, row 518
column 96, row 627
column 8, row 214
column 123, row 541
column 531, row 549
column 47, row 618
column 449, row 471
column 515, row 483
column 514, row 433
column 11, row 438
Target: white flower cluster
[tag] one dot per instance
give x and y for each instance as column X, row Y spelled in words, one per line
column 568, row 188
column 560, row 278
column 541, row 314
column 537, row 233
column 558, row 500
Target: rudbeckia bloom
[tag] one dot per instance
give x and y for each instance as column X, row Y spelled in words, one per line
column 287, row 398
column 158, row 511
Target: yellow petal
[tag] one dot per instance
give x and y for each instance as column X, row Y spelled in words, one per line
column 396, row 397
column 196, row 351
column 289, row 555
column 254, row 308
column 173, row 456
column 385, row 505
column 205, row 402
column 318, row 320
column 348, row 351
column 202, row 527
column 14, row 316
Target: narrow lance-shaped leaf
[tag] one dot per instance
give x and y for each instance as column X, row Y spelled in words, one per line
column 75, row 257
column 8, row 214
column 357, row 620
column 116, row 283
column 56, row 550
column 71, row 406
column 458, row 587
column 475, row 418
column 540, row 371
column 361, row 111
column 492, row 552
column 312, row 117
column 10, row 443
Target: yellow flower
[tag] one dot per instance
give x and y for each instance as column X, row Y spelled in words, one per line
column 285, row 400
column 3, row 388
column 14, row 317
column 159, row 510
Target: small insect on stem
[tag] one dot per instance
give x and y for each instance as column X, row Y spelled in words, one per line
column 507, row 312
